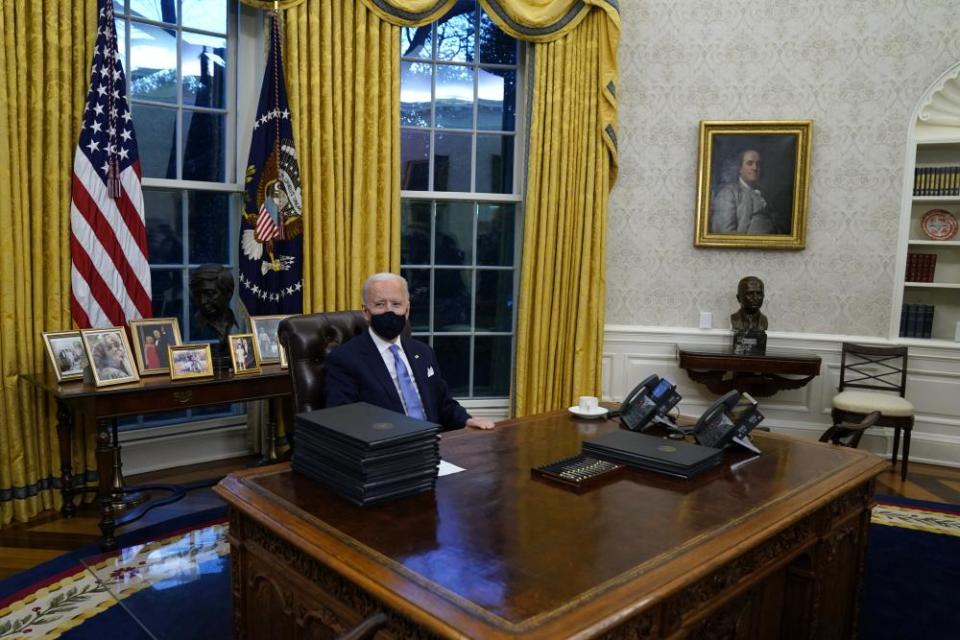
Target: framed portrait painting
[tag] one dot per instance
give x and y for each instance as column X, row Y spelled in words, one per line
column 67, row 354
column 265, row 329
column 752, row 187
column 244, row 353
column 111, row 359
column 151, row 337
column 190, row 361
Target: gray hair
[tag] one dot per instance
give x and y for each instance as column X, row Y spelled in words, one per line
column 384, row 276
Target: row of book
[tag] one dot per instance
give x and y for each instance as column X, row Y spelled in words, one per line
column 936, row 181
column 916, row 321
column 921, row 267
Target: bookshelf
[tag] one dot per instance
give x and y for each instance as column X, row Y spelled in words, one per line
column 929, row 270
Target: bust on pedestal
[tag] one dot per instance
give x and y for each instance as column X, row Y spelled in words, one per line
column 749, row 324
column 211, row 287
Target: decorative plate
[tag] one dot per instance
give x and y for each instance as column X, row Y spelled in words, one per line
column 939, row 224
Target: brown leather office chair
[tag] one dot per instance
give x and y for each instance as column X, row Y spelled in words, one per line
column 307, row 340
column 848, row 434
column 882, row 372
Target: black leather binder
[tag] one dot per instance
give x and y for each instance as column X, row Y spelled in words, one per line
column 642, row 451
column 365, row 425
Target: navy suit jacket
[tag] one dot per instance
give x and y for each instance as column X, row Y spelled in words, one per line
column 355, row 372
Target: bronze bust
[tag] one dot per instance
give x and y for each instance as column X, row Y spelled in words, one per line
column 211, row 287
column 750, row 297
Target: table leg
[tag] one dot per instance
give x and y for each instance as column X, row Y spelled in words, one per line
column 65, row 438
column 269, row 456
column 106, row 452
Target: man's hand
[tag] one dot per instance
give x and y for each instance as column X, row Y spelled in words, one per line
column 480, row 423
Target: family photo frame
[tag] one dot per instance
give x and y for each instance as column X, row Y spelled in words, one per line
column 265, row 329
column 244, row 353
column 190, row 361
column 67, row 354
column 753, row 181
column 111, row 360
column 151, row 337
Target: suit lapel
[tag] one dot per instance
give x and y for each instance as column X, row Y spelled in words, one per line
column 410, row 347
column 374, row 361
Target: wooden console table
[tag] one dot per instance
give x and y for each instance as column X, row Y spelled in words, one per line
column 760, row 375
column 770, row 546
column 78, row 401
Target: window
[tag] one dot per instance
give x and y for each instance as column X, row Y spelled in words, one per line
column 461, row 206
column 179, row 60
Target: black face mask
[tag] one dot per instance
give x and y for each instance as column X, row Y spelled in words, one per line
column 388, row 325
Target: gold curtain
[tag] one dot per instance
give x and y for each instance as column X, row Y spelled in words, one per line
column 569, row 174
column 342, row 64
column 45, row 51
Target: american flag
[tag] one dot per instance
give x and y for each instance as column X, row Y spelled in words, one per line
column 110, row 275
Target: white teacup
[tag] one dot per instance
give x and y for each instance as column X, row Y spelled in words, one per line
column 589, row 404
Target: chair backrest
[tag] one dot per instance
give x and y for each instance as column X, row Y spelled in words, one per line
column 307, row 340
column 873, row 367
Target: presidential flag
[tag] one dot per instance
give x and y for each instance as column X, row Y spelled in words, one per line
column 271, row 232
column 110, row 276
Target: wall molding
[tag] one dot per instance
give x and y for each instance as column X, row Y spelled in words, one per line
column 631, row 352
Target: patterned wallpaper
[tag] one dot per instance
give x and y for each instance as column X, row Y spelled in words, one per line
column 857, row 68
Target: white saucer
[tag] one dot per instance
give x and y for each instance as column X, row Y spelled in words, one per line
column 599, row 412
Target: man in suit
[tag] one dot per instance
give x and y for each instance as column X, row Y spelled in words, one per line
column 389, row 370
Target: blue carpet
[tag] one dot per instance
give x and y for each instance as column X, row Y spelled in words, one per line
column 911, row 580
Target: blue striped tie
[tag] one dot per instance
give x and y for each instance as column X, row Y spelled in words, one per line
column 410, row 397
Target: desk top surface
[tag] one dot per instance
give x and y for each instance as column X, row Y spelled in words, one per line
column 493, row 551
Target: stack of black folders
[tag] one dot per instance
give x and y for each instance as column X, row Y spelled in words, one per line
column 641, row 451
column 367, row 454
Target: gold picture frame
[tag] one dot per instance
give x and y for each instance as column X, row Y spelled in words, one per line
column 67, row 354
column 110, row 357
column 244, row 353
column 192, row 360
column 151, row 337
column 752, row 184
column 268, row 343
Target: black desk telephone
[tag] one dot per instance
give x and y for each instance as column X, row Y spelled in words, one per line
column 648, row 403
column 729, row 420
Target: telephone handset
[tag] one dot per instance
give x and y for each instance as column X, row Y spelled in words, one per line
column 648, row 402
column 730, row 419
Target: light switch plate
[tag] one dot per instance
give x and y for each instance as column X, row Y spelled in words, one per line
column 706, row 320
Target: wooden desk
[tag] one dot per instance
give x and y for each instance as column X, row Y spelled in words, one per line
column 770, row 548
column 77, row 401
column 759, row 375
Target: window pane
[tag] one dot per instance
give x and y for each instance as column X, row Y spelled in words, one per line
column 153, row 63
column 491, row 366
column 496, row 100
column 454, row 233
column 205, row 15
column 494, row 301
column 204, row 70
column 156, row 140
column 453, row 354
column 160, row 10
column 416, row 42
column 414, row 160
column 451, row 164
column 167, row 292
column 119, row 6
column 415, row 232
column 454, row 96
column 418, row 281
column 494, row 164
column 496, row 47
column 204, row 146
column 451, row 300
column 121, row 27
column 495, row 225
column 209, row 220
column 456, row 33
column 164, row 226
column 415, row 96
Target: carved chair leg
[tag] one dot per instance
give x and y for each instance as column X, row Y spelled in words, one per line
column 906, row 452
column 896, row 445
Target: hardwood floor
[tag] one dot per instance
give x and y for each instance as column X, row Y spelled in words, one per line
column 50, row 535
